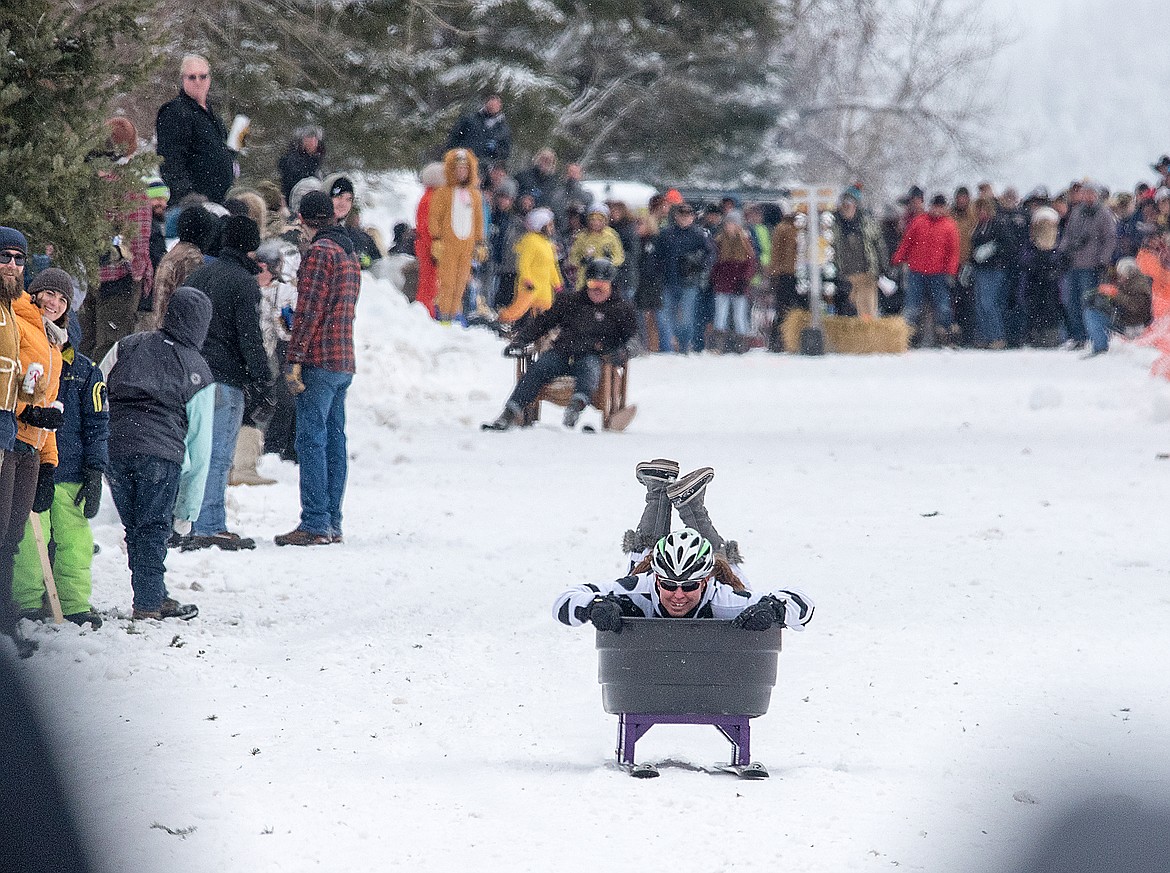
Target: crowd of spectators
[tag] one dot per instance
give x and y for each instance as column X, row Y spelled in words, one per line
column 222, row 316
column 988, row 271
column 220, row 327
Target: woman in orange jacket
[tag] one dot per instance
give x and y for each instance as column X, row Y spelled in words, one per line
column 34, row 458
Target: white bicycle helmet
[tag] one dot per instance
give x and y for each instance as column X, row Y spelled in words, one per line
column 683, row 556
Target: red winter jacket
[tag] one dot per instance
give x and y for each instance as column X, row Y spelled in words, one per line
column 930, row 245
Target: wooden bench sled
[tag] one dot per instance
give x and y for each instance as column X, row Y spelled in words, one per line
column 609, row 398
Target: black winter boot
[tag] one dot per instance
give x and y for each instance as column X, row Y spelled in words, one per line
column 24, row 646
column 688, row 495
column 656, row 475
column 573, row 411
column 658, row 470
column 507, row 419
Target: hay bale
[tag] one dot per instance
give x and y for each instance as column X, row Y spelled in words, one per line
column 850, row 336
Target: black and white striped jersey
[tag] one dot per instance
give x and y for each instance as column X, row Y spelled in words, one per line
column 638, row 596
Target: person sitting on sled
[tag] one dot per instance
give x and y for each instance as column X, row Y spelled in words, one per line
column 687, row 573
column 593, row 325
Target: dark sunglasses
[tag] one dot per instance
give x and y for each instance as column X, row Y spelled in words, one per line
column 191, row 77
column 11, row 258
column 667, row 585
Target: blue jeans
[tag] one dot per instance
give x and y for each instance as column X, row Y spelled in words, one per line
column 144, row 489
column 225, row 429
column 676, row 318
column 1097, row 327
column 990, row 302
column 735, row 308
column 321, row 448
column 918, row 286
column 585, row 370
column 1078, row 283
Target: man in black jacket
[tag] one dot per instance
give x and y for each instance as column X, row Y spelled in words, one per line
column 486, row 133
column 303, row 158
column 192, row 140
column 593, row 324
column 234, row 350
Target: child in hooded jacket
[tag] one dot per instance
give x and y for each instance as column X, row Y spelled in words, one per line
column 161, row 415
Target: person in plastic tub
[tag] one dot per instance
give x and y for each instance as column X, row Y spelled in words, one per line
column 684, row 573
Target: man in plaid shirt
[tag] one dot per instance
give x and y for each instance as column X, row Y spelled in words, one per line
column 110, row 312
column 321, row 367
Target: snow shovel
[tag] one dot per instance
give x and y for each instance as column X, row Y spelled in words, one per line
column 46, row 568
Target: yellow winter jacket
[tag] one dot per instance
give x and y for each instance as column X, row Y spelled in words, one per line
column 36, row 348
column 537, row 275
column 10, row 372
column 587, row 246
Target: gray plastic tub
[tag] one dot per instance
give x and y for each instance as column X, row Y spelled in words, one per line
column 697, row 666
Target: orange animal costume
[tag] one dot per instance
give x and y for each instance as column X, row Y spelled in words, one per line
column 432, row 177
column 455, row 224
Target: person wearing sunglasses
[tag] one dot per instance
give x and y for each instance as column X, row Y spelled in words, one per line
column 192, row 138
column 682, row 578
column 13, row 252
column 683, row 573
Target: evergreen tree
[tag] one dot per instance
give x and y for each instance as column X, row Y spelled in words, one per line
column 634, row 87
column 61, row 69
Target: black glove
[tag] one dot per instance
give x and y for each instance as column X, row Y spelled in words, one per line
column 259, row 404
column 90, row 492
column 606, row 614
column 44, row 496
column 514, row 350
column 47, row 417
column 760, row 616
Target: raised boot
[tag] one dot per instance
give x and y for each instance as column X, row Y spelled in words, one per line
column 660, row 470
column 687, row 496
column 657, row 476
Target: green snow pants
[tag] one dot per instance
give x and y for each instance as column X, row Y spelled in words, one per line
column 68, row 527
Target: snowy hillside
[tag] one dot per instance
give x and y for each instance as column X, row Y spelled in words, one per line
column 982, row 532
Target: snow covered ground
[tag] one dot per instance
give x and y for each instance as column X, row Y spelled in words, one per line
column 983, row 533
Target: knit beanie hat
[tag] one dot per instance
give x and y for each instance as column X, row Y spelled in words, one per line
column 240, row 233
column 13, row 240
column 193, row 225
column 156, row 188
column 53, row 279
column 317, row 208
